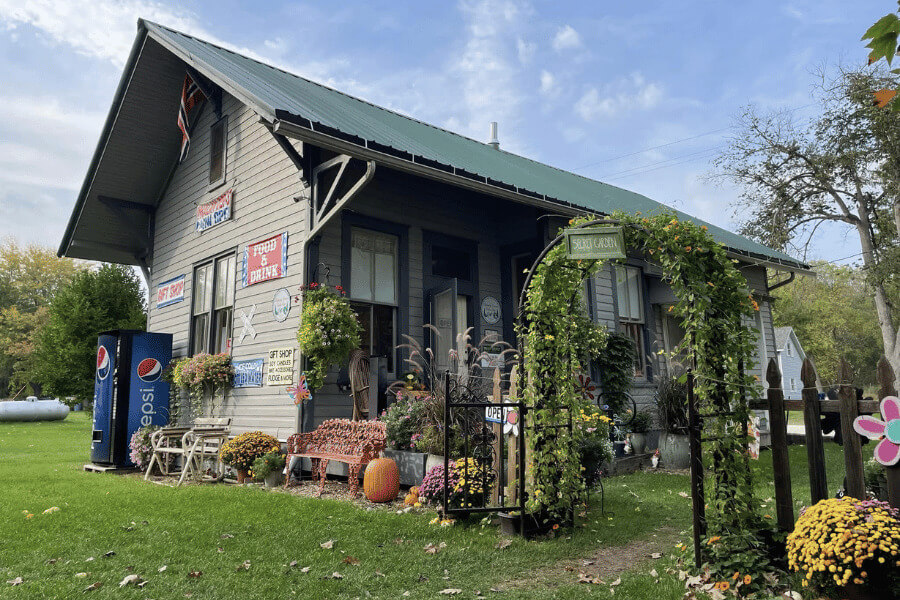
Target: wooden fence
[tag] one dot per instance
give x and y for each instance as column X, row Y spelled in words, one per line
column 849, row 408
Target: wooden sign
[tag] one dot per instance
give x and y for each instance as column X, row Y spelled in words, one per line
column 281, row 367
column 265, row 260
column 595, row 244
column 170, row 292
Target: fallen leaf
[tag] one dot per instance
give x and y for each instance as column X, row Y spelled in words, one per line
column 52, row 561
column 195, row 574
column 432, row 549
column 305, row 570
column 162, row 569
column 244, row 566
column 399, row 541
column 406, row 594
column 220, row 550
column 89, row 559
column 379, row 574
column 327, row 545
column 349, row 560
column 585, row 578
column 656, row 555
column 94, row 586
column 130, row 580
column 226, row 536
column 80, row 575
column 791, row 595
column 110, row 553
column 653, row 573
column 616, row 582
column 14, row 582
column 451, row 591
column 141, row 584
column 503, row 544
column 336, row 575
column 293, row 563
column 684, row 494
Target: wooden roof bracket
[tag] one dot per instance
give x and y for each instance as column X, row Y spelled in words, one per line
column 323, row 211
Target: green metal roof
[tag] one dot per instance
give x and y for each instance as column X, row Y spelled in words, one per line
column 278, row 95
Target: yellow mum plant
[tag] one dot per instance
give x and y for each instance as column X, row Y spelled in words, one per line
column 241, row 451
column 844, row 541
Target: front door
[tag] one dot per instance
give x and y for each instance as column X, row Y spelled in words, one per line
column 448, row 314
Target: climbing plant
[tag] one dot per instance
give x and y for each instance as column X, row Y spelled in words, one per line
column 712, row 302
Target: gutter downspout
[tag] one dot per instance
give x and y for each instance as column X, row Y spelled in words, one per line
column 790, row 278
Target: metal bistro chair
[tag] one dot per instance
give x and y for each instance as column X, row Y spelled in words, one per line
column 359, row 384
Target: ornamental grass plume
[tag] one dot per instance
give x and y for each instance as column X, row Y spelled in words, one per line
column 840, row 541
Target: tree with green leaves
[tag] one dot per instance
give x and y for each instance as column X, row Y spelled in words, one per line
column 30, row 275
column 833, row 315
column 97, row 300
column 842, row 168
column 882, row 44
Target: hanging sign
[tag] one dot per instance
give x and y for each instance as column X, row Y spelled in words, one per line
column 887, row 429
column 170, row 292
column 215, row 212
column 281, row 305
column 281, row 367
column 508, row 417
column 595, row 244
column 490, row 310
column 248, row 373
column 265, row 260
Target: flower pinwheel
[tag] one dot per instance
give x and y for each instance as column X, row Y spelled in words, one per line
column 887, row 452
column 585, row 387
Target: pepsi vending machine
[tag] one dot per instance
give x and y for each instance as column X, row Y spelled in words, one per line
column 128, row 391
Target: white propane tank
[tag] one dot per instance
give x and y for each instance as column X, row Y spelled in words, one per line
column 33, row 410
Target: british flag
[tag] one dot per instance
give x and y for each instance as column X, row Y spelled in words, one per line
column 191, row 96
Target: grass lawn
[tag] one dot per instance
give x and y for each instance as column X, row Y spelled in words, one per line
column 188, row 530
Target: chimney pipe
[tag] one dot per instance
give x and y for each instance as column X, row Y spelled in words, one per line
column 494, row 143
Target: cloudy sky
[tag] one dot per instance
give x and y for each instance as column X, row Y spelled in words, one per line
column 640, row 95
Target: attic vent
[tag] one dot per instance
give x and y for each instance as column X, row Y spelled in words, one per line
column 494, row 143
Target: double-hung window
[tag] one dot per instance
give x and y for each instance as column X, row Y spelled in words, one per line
column 374, row 290
column 212, row 307
column 631, row 311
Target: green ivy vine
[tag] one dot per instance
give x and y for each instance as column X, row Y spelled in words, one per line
column 713, row 302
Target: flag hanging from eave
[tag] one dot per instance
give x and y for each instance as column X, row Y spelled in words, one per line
column 191, row 96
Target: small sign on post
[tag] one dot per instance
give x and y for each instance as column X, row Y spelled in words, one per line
column 598, row 243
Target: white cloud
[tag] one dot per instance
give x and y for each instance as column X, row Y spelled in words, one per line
column 525, row 50
column 548, row 84
column 624, row 95
column 566, row 38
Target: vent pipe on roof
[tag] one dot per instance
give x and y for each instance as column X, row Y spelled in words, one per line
column 494, row 143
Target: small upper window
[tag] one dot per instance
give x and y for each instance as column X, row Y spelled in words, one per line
column 790, row 349
column 217, row 143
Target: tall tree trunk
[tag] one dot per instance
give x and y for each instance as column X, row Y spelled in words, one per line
column 889, row 334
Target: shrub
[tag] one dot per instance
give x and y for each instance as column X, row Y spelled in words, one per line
column 267, row 464
column 594, row 445
column 842, row 540
column 641, row 422
column 329, row 330
column 141, row 450
column 404, row 421
column 243, row 450
column 462, row 492
column 672, row 405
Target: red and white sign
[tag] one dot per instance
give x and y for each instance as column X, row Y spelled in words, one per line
column 265, row 260
column 170, row 292
column 215, row 212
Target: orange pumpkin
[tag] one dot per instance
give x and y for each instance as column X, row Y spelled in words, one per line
column 381, row 482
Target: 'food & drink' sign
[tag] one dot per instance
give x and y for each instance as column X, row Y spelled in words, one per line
column 265, row 260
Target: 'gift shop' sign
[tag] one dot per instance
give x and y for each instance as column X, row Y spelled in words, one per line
column 265, row 260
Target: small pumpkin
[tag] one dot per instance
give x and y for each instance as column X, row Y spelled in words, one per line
column 381, row 482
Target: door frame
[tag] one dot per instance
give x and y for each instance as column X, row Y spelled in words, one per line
column 464, row 288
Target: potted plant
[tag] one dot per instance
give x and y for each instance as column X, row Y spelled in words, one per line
column 203, row 376
column 674, row 448
column 243, row 450
column 404, row 420
column 269, row 468
column 141, row 449
column 595, row 447
column 640, row 425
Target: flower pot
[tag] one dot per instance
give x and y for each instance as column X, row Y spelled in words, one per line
column 535, row 524
column 273, row 479
column 243, row 476
column 411, row 465
column 433, row 460
column 619, row 449
column 674, row 451
column 638, row 442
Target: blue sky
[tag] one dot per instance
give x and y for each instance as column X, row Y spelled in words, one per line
column 591, row 87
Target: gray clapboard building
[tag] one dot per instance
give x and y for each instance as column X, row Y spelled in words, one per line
column 288, row 181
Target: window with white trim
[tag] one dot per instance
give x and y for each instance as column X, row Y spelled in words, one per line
column 374, row 267
column 212, row 305
column 631, row 312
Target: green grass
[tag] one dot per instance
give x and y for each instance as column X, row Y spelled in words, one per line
column 148, row 526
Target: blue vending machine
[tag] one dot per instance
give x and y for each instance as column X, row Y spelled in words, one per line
column 128, row 391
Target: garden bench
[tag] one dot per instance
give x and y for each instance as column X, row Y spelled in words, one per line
column 191, row 444
column 355, row 443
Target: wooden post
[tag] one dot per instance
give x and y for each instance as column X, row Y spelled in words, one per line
column 885, row 377
column 496, row 467
column 812, row 422
column 698, row 496
column 853, row 463
column 511, row 496
column 781, row 462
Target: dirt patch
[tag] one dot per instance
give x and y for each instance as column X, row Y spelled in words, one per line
column 606, row 563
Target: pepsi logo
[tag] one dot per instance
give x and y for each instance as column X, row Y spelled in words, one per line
column 149, row 370
column 102, row 363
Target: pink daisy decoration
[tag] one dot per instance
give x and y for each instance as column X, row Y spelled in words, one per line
column 887, row 452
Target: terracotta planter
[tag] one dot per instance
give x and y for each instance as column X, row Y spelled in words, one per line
column 243, row 476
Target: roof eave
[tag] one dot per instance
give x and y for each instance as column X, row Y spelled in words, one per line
column 104, row 137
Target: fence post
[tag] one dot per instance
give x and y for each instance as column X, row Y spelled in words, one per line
column 812, row 422
column 497, row 444
column 698, row 497
column 853, row 463
column 892, row 474
column 781, row 462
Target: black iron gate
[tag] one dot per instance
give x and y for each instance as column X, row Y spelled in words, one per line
column 466, row 413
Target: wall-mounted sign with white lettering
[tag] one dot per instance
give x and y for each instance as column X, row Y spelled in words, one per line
column 265, row 260
column 170, row 292
column 215, row 212
column 599, row 243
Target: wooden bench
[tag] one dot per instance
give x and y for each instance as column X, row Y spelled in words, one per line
column 192, row 444
column 355, row 443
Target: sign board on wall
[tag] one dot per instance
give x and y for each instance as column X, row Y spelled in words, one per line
column 265, row 260
column 170, row 292
column 215, row 212
column 281, row 305
column 595, row 244
column 490, row 310
column 281, row 367
column 248, row 373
